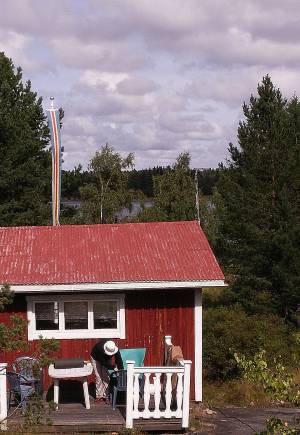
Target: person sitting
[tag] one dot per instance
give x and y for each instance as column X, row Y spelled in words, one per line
column 105, row 356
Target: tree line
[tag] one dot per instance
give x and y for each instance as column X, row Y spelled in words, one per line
column 139, row 180
column 249, row 205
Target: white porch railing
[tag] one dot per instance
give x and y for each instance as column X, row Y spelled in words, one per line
column 165, row 394
column 3, row 397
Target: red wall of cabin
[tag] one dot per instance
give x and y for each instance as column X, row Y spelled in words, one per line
column 150, row 315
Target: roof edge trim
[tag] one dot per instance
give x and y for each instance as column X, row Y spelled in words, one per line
column 112, row 286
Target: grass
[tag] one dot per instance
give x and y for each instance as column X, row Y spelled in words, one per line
column 240, row 392
column 196, row 425
column 237, row 392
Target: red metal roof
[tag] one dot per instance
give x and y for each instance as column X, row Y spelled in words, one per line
column 156, row 251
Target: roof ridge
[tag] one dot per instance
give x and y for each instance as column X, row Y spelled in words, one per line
column 125, row 224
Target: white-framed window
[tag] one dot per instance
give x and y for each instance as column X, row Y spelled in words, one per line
column 76, row 316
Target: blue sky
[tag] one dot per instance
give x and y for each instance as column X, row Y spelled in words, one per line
column 152, row 77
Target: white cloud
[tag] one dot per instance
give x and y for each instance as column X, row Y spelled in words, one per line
column 136, row 86
column 15, row 46
column 101, row 55
column 152, row 77
column 94, row 79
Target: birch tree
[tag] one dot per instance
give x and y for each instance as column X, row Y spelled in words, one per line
column 108, row 194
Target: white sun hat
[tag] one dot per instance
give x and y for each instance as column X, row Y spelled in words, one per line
column 110, row 347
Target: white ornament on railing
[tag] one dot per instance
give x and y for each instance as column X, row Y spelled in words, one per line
column 168, row 395
column 163, row 397
column 148, row 390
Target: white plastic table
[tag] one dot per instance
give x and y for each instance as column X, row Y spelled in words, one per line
column 71, row 373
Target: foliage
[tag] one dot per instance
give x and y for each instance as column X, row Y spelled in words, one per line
column 276, row 381
column 209, row 216
column 102, row 199
column 13, row 335
column 139, row 180
column 45, row 351
column 235, row 392
column 259, row 231
column 230, row 328
column 142, row 180
column 6, row 296
column 174, row 194
column 25, row 163
column 275, row 426
column 37, row 413
column 176, row 191
column 72, row 180
column 207, row 180
column 196, row 425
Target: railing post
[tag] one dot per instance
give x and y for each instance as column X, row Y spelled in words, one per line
column 168, row 340
column 3, row 396
column 186, row 393
column 129, row 394
column 167, row 346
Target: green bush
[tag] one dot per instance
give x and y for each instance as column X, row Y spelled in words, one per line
column 275, row 426
column 229, row 329
column 277, row 381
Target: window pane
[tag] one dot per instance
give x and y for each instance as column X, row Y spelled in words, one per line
column 76, row 315
column 46, row 316
column 105, row 314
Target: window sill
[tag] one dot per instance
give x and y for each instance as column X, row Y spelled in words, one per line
column 75, row 334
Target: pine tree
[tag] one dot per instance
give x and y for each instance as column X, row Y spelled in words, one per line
column 259, row 242
column 25, row 163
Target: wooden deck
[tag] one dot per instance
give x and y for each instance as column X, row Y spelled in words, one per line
column 75, row 418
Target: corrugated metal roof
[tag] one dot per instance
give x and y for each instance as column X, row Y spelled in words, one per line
column 156, row 251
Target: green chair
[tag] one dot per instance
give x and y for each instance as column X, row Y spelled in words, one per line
column 137, row 355
column 120, row 378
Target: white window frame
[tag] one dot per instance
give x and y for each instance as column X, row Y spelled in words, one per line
column 62, row 333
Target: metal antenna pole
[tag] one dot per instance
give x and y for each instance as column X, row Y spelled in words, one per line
column 197, row 196
column 52, row 103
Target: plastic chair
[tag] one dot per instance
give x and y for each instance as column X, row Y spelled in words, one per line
column 20, row 388
column 135, row 354
column 28, row 367
column 119, row 378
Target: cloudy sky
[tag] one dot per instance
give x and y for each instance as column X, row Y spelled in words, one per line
column 153, row 77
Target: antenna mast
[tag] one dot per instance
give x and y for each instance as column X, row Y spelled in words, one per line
column 197, row 196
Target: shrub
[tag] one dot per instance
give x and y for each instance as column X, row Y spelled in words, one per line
column 230, row 329
column 275, row 426
column 276, row 381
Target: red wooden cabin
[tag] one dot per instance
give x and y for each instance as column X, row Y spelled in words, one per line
column 134, row 283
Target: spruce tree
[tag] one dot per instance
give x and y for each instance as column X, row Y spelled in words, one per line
column 25, row 163
column 259, row 230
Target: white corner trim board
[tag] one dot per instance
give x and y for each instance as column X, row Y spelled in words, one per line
column 115, row 286
column 198, row 345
